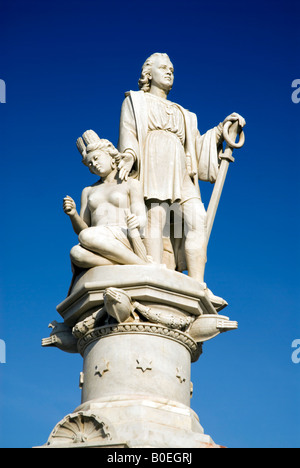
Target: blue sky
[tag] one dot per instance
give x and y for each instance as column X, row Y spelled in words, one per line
column 66, row 68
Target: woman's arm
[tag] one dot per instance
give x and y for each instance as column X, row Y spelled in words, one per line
column 136, row 219
column 81, row 222
column 137, row 204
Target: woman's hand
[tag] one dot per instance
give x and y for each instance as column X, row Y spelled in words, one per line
column 132, row 221
column 69, row 206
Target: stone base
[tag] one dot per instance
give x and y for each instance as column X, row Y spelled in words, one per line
column 135, row 382
column 131, row 421
column 151, row 285
column 136, row 392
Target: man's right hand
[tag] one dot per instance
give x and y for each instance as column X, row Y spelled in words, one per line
column 69, row 206
column 125, row 166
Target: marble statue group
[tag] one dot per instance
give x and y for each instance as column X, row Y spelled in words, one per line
column 146, row 206
column 138, row 309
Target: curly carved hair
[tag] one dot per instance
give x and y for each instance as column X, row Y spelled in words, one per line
column 145, row 78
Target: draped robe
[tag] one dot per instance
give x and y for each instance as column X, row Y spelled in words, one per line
column 164, row 148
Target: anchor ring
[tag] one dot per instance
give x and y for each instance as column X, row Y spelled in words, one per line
column 231, row 143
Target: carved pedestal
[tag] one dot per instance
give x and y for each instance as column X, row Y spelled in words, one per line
column 135, row 382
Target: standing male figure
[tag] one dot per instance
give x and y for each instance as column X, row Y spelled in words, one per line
column 160, row 139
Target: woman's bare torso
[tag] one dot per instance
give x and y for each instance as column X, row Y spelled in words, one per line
column 107, row 203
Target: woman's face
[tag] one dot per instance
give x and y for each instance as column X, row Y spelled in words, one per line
column 162, row 73
column 99, row 163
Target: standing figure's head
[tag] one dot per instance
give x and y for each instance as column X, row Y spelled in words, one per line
column 157, row 71
column 97, row 154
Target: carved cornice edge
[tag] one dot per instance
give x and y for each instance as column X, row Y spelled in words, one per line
column 184, row 339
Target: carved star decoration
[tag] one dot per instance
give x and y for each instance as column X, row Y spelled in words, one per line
column 102, row 367
column 180, row 375
column 144, row 364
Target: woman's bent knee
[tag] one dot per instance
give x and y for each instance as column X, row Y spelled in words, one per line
column 86, row 237
column 76, row 254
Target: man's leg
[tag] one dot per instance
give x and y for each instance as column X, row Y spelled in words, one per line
column 195, row 226
column 156, row 220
